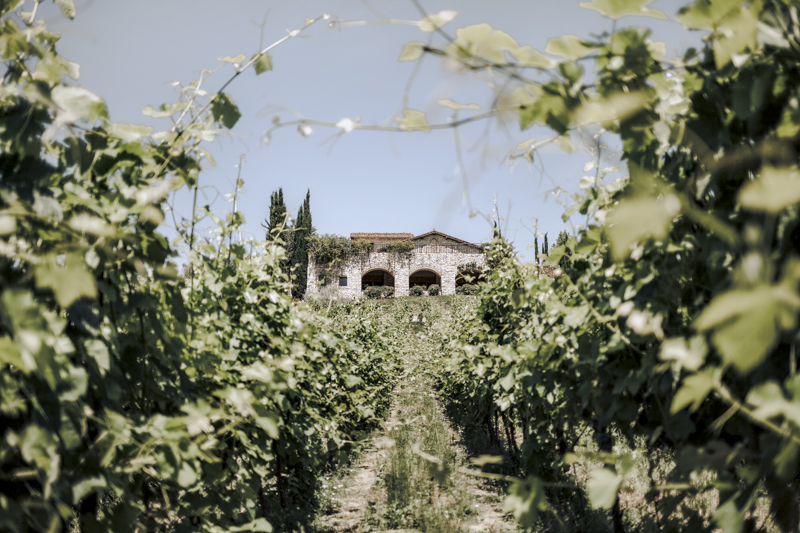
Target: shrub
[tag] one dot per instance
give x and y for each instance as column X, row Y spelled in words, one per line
column 327, row 294
column 398, row 247
column 416, row 290
column 387, row 291
column 373, row 293
column 434, row 290
column 467, row 288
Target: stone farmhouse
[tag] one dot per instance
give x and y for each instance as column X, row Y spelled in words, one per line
column 434, row 258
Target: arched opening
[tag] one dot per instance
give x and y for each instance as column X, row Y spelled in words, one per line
column 424, row 278
column 377, row 278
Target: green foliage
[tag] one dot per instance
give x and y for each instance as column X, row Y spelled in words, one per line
column 277, row 221
column 373, row 292
column 433, row 289
column 331, row 252
column 303, row 229
column 416, row 290
column 387, row 291
column 131, row 398
column 563, row 239
column 468, row 289
column 676, row 322
column 398, row 247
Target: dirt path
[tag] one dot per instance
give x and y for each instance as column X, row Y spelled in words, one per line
column 407, row 478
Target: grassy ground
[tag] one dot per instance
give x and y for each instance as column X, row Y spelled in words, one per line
column 407, row 478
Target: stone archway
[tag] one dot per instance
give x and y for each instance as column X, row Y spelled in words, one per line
column 377, row 277
column 424, row 277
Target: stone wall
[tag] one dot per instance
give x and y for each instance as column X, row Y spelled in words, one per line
column 401, row 266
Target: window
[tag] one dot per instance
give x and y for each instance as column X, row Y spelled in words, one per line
column 343, row 281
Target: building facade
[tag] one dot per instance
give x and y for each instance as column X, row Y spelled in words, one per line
column 433, row 258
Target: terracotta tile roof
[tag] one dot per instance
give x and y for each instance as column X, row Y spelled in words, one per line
column 381, row 237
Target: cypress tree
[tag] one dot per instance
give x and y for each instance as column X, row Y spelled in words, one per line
column 565, row 261
column 277, row 215
column 536, row 249
column 545, row 247
column 299, row 256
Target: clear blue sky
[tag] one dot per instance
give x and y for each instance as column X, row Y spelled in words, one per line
column 366, row 181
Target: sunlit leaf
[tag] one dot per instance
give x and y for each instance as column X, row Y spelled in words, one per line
column 76, row 103
column 746, row 322
column 233, row 59
column 772, row 191
column 525, row 499
column 694, row 390
column 85, row 486
column 528, row 56
column 67, row 7
column 707, row 14
column 69, row 280
column 413, row 120
column 602, row 488
column 225, row 111
column 483, row 42
column 639, row 218
column 263, row 63
column 616, row 9
column 411, row 51
column 569, row 47
column 436, row 21
column 616, row 107
column 455, row 105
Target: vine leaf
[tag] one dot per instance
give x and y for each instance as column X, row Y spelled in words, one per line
column 263, row 63
column 131, row 133
column 602, row 488
column 455, row 105
column 527, row 56
column 773, row 191
column 746, row 322
column 769, row 401
column 437, row 20
column 186, row 476
column 615, row 107
column 232, row 59
column 99, row 352
column 688, row 354
column 68, row 281
column 639, row 218
column 67, row 7
column 76, row 103
column 729, row 517
column 413, row 120
column 10, row 354
column 616, row 9
column 482, row 41
column 569, row 47
column 706, row 15
column 412, row 51
column 225, row 111
column 85, row 486
column 525, row 499
column 694, row 390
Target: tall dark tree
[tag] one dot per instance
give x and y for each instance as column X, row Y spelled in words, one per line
column 545, row 247
column 565, row 261
column 303, row 228
column 277, row 216
column 536, row 249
